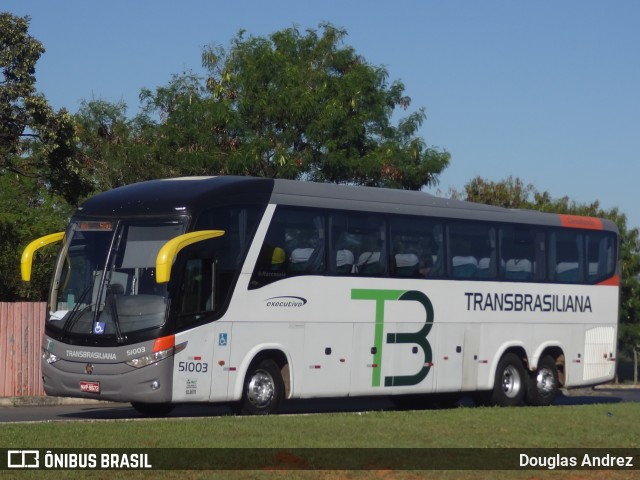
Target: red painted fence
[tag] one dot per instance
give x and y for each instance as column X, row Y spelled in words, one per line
column 21, row 328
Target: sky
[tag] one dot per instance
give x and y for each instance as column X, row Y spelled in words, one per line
column 546, row 91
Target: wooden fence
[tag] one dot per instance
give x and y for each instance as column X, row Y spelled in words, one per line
column 21, row 329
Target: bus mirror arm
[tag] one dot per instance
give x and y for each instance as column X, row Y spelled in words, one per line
column 168, row 252
column 26, row 261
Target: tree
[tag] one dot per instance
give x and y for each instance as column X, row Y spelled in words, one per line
column 27, row 212
column 289, row 105
column 513, row 193
column 35, row 140
column 38, row 162
column 292, row 105
column 119, row 149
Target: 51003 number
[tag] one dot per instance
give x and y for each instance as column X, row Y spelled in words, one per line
column 197, row 367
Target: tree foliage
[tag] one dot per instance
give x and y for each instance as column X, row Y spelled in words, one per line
column 513, row 193
column 27, row 212
column 291, row 105
column 35, row 140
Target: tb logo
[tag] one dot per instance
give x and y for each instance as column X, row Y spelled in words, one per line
column 418, row 338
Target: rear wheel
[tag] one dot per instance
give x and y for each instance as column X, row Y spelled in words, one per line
column 263, row 389
column 153, row 409
column 543, row 383
column 510, row 382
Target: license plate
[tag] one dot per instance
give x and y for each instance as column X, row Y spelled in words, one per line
column 90, row 387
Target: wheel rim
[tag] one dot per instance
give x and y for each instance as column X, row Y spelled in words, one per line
column 545, row 381
column 261, row 389
column 511, row 382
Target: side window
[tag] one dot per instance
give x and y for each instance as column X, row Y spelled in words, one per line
column 358, row 244
column 522, row 253
column 197, row 287
column 472, row 251
column 566, row 253
column 416, row 247
column 601, row 256
column 294, row 245
column 211, row 267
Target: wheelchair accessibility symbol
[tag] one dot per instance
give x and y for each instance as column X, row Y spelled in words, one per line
column 99, row 328
column 222, row 340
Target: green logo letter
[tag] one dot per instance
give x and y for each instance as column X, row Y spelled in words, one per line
column 419, row 338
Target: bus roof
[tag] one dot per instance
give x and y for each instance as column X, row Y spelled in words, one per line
column 177, row 195
column 408, row 202
column 192, row 194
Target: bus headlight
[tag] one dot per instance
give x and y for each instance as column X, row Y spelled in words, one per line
column 49, row 357
column 163, row 348
column 149, row 359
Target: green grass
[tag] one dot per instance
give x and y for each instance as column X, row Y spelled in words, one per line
column 605, row 425
column 584, row 426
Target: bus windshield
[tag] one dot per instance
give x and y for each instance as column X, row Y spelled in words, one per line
column 104, row 284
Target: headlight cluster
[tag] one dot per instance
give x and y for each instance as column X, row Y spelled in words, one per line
column 149, row 359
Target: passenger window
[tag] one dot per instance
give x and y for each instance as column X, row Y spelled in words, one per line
column 566, row 253
column 472, row 251
column 358, row 245
column 294, row 245
column 601, row 256
column 416, row 247
column 522, row 253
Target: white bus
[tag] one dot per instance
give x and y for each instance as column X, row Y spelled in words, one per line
column 249, row 291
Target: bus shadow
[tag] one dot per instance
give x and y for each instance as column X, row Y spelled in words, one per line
column 588, row 397
column 121, row 411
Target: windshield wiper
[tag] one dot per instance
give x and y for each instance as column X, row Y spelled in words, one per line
column 113, row 308
column 76, row 313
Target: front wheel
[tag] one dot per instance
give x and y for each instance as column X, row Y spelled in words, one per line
column 510, row 382
column 543, row 383
column 263, row 389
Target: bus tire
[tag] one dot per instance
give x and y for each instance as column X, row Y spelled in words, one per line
column 543, row 383
column 153, row 409
column 263, row 389
column 510, row 382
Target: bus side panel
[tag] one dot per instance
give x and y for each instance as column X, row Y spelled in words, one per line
column 254, row 339
column 193, row 366
column 412, row 345
column 450, row 352
column 318, row 321
column 599, row 356
column 327, row 355
column 592, row 357
column 221, row 371
column 495, row 340
column 367, row 360
column 470, row 350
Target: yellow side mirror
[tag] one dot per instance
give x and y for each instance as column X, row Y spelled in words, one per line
column 26, row 262
column 168, row 252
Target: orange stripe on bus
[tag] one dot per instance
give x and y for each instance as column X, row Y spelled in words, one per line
column 613, row 281
column 576, row 221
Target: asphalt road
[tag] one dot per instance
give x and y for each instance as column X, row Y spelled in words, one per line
column 118, row 411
